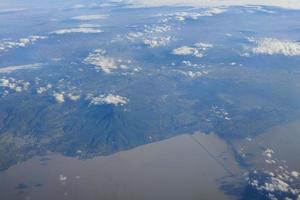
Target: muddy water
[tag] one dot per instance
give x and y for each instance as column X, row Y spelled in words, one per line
column 184, row 167
column 283, row 140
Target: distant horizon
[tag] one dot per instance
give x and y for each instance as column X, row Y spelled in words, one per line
column 291, row 4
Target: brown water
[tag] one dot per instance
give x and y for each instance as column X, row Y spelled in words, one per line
column 184, row 167
column 283, row 140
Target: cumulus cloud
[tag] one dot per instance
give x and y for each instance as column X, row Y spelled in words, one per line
column 59, row 97
column 268, row 153
column 107, row 64
column 13, row 84
column 110, row 99
column 152, row 36
column 194, row 74
column 157, row 41
column 41, row 90
column 73, row 97
column 196, row 50
column 161, row 28
column 101, row 60
column 271, row 46
column 295, row 174
column 23, row 42
column 220, row 113
column 89, row 17
column 276, row 184
column 186, row 50
column 78, row 30
column 277, row 181
column 11, row 69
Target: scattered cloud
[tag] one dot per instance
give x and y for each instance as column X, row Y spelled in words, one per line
column 107, row 64
column 59, row 97
column 13, row 84
column 276, row 181
column 272, row 46
column 101, row 60
column 23, row 42
column 220, row 113
column 150, row 36
column 194, row 74
column 196, row 50
column 295, row 174
column 162, row 28
column 157, row 41
column 78, row 30
column 186, row 50
column 73, row 97
column 41, row 90
column 268, row 152
column 111, row 99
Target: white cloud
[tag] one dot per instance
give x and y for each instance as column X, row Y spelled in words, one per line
column 9, row 44
column 62, row 177
column 150, row 36
column 157, row 41
column 13, row 84
column 295, row 174
column 99, row 59
column 10, row 10
column 89, row 17
column 268, row 153
column 78, row 30
column 41, row 90
column 182, row 16
column 220, row 113
column 271, row 46
column 157, row 28
column 10, row 69
column 194, row 74
column 89, row 26
column 293, row 4
column 260, row 9
column 197, row 50
column 186, row 50
column 59, row 97
column 108, row 99
column 92, row 5
column 73, row 97
column 276, row 185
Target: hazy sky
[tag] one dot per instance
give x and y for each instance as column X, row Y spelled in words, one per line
column 282, row 3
